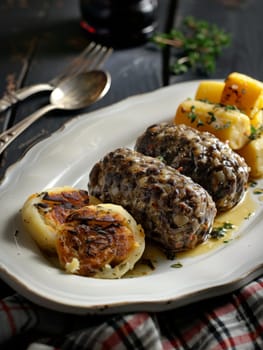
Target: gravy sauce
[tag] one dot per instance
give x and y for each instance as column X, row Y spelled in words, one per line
column 236, row 216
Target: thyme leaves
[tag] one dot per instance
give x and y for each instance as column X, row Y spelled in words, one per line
column 197, row 43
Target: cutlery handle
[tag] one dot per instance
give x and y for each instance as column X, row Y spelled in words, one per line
column 21, row 94
column 11, row 134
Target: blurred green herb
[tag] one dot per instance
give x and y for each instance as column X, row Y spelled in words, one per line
column 177, row 265
column 219, row 232
column 255, row 132
column 198, row 45
column 253, row 183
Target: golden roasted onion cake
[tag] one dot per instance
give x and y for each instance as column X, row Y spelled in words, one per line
column 102, row 241
column 44, row 212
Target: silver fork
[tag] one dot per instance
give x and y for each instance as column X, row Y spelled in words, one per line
column 93, row 56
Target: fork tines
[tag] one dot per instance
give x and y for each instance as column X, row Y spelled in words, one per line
column 97, row 55
column 92, row 57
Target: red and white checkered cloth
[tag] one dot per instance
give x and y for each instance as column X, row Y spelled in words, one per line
column 233, row 321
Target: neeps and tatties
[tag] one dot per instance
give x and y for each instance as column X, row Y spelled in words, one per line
column 200, row 155
column 101, row 241
column 172, row 209
column 44, row 212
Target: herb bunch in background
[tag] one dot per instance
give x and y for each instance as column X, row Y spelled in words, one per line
column 197, row 44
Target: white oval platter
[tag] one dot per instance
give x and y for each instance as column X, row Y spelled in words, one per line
column 65, row 158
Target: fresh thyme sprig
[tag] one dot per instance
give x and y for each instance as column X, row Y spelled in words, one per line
column 198, row 45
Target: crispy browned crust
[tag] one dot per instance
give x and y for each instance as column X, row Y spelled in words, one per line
column 56, row 206
column 96, row 238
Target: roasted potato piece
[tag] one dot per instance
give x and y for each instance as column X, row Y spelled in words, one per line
column 253, row 155
column 210, row 90
column 228, row 124
column 257, row 120
column 44, row 212
column 243, row 92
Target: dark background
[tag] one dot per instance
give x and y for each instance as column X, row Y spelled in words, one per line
column 38, row 38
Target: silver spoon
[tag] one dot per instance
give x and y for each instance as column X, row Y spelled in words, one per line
column 74, row 92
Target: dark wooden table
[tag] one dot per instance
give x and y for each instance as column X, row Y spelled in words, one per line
column 38, row 38
column 37, row 41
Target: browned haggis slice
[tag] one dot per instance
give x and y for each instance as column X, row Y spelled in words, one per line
column 200, row 155
column 102, row 241
column 173, row 210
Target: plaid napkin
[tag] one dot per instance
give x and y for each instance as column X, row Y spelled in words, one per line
column 233, row 321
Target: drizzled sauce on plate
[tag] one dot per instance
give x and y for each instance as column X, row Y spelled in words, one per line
column 236, row 216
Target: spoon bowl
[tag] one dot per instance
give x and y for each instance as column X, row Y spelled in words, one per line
column 81, row 90
column 76, row 92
